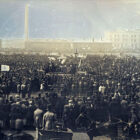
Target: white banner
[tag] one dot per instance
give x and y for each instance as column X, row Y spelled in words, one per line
column 5, row 68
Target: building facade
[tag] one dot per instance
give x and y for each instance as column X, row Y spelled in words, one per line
column 67, row 46
column 12, row 43
column 56, row 46
column 124, row 39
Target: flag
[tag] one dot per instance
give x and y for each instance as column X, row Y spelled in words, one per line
column 5, row 68
column 63, row 61
column 80, row 63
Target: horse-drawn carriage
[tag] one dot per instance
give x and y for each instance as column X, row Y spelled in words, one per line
column 115, row 131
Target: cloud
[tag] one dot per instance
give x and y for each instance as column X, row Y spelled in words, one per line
column 138, row 12
column 131, row 1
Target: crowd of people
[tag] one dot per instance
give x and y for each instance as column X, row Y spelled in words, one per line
column 79, row 93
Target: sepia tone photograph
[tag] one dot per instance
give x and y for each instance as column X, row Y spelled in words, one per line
column 69, row 69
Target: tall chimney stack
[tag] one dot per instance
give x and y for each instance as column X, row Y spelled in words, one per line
column 26, row 26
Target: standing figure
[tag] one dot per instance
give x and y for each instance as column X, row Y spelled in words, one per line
column 49, row 119
column 38, row 113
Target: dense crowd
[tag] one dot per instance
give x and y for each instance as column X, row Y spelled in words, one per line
column 81, row 92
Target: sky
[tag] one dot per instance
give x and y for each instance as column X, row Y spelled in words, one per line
column 68, row 19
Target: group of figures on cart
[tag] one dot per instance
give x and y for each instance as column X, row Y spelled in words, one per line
column 114, row 128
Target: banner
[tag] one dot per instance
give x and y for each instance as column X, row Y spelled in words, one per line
column 5, row 68
column 82, row 72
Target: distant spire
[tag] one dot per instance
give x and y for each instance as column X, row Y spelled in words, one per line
column 76, row 53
